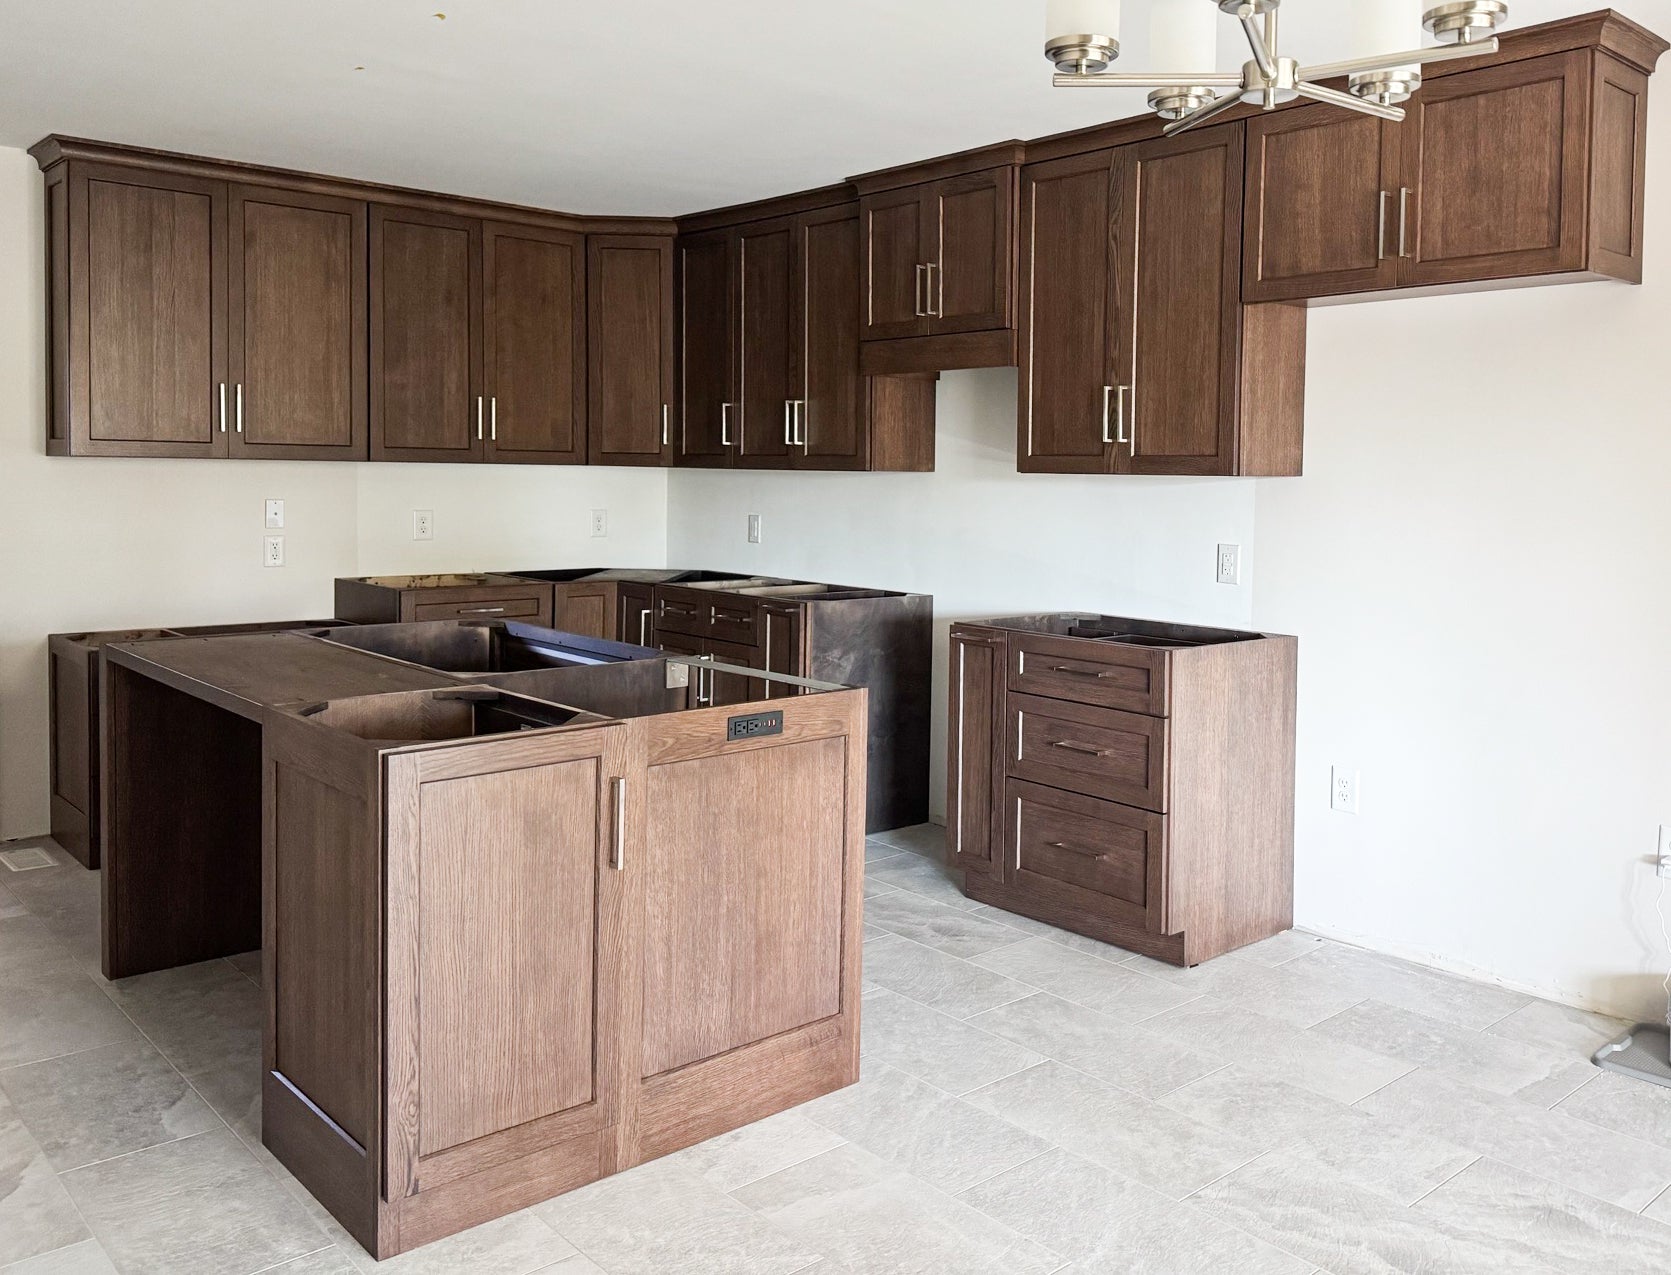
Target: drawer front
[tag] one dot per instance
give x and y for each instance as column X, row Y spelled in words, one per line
column 1114, row 676
column 734, row 620
column 1101, row 857
column 682, row 611
column 506, row 607
column 1100, row 752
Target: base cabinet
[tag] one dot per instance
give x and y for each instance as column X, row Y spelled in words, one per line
column 1127, row 780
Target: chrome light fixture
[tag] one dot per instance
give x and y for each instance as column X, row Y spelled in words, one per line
column 1082, row 40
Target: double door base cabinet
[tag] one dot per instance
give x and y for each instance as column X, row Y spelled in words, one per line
column 1128, row 780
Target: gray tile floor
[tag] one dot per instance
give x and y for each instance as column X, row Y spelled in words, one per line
column 1031, row 1102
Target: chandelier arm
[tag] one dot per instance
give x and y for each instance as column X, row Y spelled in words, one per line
column 1206, row 114
column 1262, row 53
column 1389, row 61
column 1134, row 80
column 1318, row 93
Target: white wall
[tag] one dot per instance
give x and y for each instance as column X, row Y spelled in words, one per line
column 1478, row 565
column 88, row 543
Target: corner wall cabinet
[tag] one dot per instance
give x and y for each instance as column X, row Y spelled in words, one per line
column 1146, row 288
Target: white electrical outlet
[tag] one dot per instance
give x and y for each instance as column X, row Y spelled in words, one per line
column 275, row 515
column 1664, row 868
column 272, row 551
column 1230, row 564
column 754, row 529
column 1343, row 790
column 600, row 523
column 423, row 524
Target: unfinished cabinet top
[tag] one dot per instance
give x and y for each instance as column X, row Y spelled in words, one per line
column 1160, row 634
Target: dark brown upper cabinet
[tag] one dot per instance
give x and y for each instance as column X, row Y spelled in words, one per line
column 938, row 263
column 1137, row 356
column 296, row 321
column 1518, row 170
column 706, row 306
column 534, row 351
column 427, row 401
column 630, row 334
column 766, row 343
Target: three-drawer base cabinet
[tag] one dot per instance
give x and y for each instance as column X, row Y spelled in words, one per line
column 1125, row 779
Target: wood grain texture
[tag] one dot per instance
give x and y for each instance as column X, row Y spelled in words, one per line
column 296, row 326
column 768, row 342
column 1074, row 847
column 1101, row 752
column 534, row 344
column 1618, row 168
column 897, row 246
column 836, row 417
column 900, row 411
column 587, row 609
column 972, row 221
column 974, row 751
column 629, row 297
column 707, row 374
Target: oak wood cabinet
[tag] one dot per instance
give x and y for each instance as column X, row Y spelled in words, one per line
column 630, row 379
column 1128, row 780
column 1137, row 356
column 1519, row 170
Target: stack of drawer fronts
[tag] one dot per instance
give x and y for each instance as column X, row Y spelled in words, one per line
column 1129, row 780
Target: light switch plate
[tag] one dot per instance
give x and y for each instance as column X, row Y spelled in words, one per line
column 272, row 551
column 754, row 529
column 275, row 515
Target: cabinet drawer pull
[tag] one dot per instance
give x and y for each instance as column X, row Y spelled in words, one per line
column 670, row 608
column 718, row 617
column 1082, row 672
column 481, row 610
column 1089, row 854
column 1088, row 749
column 618, row 851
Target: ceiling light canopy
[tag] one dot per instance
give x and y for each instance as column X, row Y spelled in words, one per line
column 1082, row 40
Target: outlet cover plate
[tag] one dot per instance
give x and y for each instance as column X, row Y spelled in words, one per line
column 1230, row 564
column 272, row 551
column 754, row 529
column 600, row 523
column 1343, row 790
column 274, row 514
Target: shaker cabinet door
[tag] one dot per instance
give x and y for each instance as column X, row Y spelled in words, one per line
column 629, row 282
column 534, row 352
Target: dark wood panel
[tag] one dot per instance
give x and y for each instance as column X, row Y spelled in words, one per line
column 1100, row 752
column 629, row 285
column 296, row 325
column 974, row 755
column 972, row 221
column 587, row 609
column 896, row 253
column 765, row 335
column 1618, row 169
column 833, row 422
column 534, row 351
column 1111, row 856
column 707, row 347
column 426, row 371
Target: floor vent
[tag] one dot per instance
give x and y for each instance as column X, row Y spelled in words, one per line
column 27, row 858
column 1644, row 1052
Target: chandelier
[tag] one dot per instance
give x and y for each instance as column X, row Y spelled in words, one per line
column 1082, row 41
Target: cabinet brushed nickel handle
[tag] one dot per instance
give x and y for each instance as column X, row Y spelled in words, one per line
column 493, row 419
column 1107, row 395
column 676, row 609
column 703, row 698
column 1082, row 672
column 1088, row 749
column 725, row 424
column 1403, row 220
column 1089, row 854
column 481, row 611
column 478, row 418
column 666, row 437
column 1120, row 434
column 240, row 407
column 800, row 422
column 934, row 304
column 1381, row 227
column 917, row 295
column 223, row 407
column 716, row 616
column 618, row 852
column 788, row 422
column 643, row 626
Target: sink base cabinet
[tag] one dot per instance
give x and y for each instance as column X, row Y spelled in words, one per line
column 1140, row 795
column 498, row 969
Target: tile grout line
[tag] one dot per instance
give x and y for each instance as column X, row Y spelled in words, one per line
column 1450, row 1178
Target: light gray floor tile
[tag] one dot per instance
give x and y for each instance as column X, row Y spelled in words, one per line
column 234, row 1092
column 1660, row 1209
column 1026, row 924
column 662, row 1217
column 580, row 1264
column 913, row 1125
column 927, row 877
column 1551, row 1144
column 864, row 1214
column 327, row 1261
column 1085, row 980
column 50, row 1010
column 1385, row 1156
column 1473, row 1057
column 201, row 1016
column 1542, row 1222
column 1279, row 949
column 1105, row 1047
column 945, row 1051
column 1107, row 1223
column 874, row 889
column 1091, row 947
column 515, row 1245
column 10, row 904
column 36, row 1213
column 1117, row 1129
column 876, row 850
column 1560, row 1028
column 1229, row 1034
column 1310, row 1212
column 26, row 943
column 757, row 1150
column 1427, row 991
column 104, row 1102
column 248, row 964
column 201, row 1205
column 85, row 1258
column 925, row 839
column 1280, row 991
column 955, row 931
column 932, row 978
column 1624, row 1105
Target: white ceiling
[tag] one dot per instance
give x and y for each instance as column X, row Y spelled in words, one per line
column 635, row 106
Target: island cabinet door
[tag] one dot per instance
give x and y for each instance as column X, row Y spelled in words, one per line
column 973, row 751
column 506, row 961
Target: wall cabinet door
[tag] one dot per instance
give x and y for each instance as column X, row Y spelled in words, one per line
column 1494, row 166
column 1322, row 196
column 1177, row 365
column 147, row 314
column 971, row 236
column 831, row 416
column 534, row 344
column 897, row 248
column 506, row 951
column 1069, row 308
column 296, row 323
column 630, row 386
column 973, row 765
column 426, row 367
column 766, row 331
column 707, row 347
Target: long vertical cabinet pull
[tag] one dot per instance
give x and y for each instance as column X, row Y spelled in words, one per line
column 1403, row 221
column 240, row 407
column 725, row 424
column 1107, row 394
column 1127, row 432
column 618, row 851
column 1381, row 227
column 788, row 422
column 934, row 304
column 223, row 407
column 800, row 424
column 666, row 436
column 478, row 418
column 917, row 295
column 493, row 419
